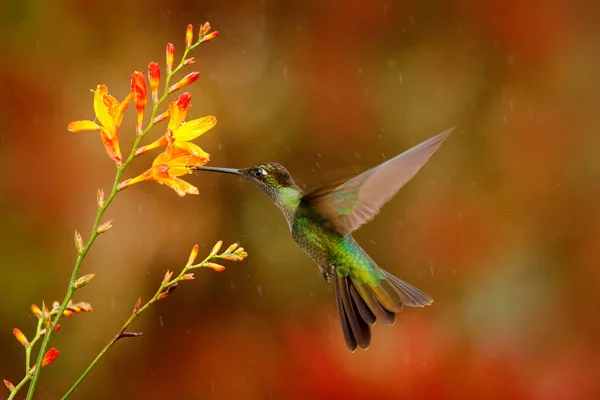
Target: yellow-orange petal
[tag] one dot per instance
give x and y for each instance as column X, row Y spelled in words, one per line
column 160, row 142
column 200, row 157
column 194, row 128
column 120, row 110
column 86, row 125
column 176, row 116
column 111, row 145
column 145, row 176
column 180, row 186
column 100, row 108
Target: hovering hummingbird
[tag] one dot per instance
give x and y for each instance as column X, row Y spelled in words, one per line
column 322, row 221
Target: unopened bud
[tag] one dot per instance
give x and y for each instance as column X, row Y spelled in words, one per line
column 20, row 337
column 187, row 277
column 215, row 267
column 49, row 357
column 46, row 314
column 36, row 310
column 9, row 385
column 105, row 226
column 154, row 77
column 167, row 277
column 216, row 248
column 140, row 96
column 183, row 101
column 78, row 242
column 193, row 255
column 84, row 280
column 189, row 35
column 170, row 57
column 189, row 61
column 137, row 305
column 204, row 29
column 231, row 248
column 100, row 198
column 187, row 80
column 208, row 37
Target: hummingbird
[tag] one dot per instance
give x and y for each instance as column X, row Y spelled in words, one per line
column 321, row 222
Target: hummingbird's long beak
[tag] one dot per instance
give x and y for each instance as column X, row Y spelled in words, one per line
column 232, row 171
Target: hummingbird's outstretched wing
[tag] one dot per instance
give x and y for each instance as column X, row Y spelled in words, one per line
column 351, row 204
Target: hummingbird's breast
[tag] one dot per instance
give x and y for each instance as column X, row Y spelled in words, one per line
column 327, row 248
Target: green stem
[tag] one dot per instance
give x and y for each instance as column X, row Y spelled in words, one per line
column 132, row 317
column 25, row 379
column 115, row 189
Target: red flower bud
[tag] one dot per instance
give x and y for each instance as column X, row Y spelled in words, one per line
column 49, row 357
column 170, row 57
column 140, row 96
column 154, row 77
column 189, row 35
column 188, row 79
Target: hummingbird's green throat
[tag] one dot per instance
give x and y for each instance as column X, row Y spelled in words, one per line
column 322, row 221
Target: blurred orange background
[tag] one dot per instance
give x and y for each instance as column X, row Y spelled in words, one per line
column 501, row 227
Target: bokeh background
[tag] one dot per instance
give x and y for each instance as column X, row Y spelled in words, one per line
column 502, row 226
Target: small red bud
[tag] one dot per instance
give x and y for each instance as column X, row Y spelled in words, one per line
column 9, row 385
column 49, row 357
column 154, row 77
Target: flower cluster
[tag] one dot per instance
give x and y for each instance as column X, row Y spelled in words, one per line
column 180, row 155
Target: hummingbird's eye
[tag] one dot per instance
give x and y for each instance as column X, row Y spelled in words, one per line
column 258, row 172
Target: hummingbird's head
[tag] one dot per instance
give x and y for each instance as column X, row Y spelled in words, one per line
column 273, row 180
column 268, row 177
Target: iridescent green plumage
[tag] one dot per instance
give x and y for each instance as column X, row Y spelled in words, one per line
column 321, row 223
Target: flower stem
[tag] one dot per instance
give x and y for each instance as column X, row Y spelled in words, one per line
column 101, row 210
column 132, row 317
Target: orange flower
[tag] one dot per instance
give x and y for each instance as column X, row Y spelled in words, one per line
column 109, row 111
column 166, row 169
column 180, row 133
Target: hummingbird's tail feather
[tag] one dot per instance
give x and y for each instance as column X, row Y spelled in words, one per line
column 361, row 305
column 406, row 293
column 353, row 313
